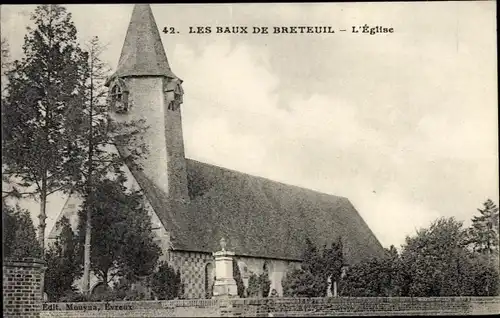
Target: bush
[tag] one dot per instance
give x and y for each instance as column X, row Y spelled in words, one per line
column 166, row 282
column 485, row 277
column 253, row 289
column 301, row 283
column 258, row 285
column 311, row 280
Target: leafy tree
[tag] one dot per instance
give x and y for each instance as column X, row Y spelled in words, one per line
column 485, row 278
column 254, row 288
column 63, row 267
column 392, row 276
column 41, row 90
column 435, row 261
column 295, row 284
column 166, row 282
column 377, row 277
column 483, row 234
column 122, row 237
column 365, row 279
column 19, row 238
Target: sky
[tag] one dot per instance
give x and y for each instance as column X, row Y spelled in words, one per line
column 404, row 124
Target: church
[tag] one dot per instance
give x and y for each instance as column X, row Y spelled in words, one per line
column 193, row 204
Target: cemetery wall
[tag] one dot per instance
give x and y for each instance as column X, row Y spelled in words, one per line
column 22, row 287
column 278, row 307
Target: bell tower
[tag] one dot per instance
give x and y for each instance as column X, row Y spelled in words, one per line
column 144, row 87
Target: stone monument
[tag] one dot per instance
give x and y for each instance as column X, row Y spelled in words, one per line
column 225, row 285
column 329, row 288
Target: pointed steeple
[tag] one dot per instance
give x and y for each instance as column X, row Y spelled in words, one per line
column 143, row 53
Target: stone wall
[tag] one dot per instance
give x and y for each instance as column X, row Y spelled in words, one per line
column 286, row 307
column 278, row 307
column 22, row 287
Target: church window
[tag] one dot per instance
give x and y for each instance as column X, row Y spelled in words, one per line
column 176, row 102
column 119, row 99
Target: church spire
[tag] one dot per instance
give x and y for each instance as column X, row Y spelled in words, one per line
column 143, row 53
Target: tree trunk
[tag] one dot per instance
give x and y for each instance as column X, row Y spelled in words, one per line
column 88, row 226
column 43, row 214
column 105, row 277
column 86, row 255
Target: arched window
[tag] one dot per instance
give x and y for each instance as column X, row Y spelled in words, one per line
column 116, row 92
column 209, row 280
column 119, row 98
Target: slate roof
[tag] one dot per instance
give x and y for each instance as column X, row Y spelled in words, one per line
column 143, row 53
column 258, row 217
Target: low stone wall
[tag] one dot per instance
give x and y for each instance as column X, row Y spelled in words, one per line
column 286, row 307
column 22, row 287
column 278, row 307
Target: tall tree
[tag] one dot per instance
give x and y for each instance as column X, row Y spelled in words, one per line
column 483, row 233
column 63, row 267
column 122, row 238
column 41, row 90
column 483, row 237
column 19, row 237
column 94, row 138
column 86, row 139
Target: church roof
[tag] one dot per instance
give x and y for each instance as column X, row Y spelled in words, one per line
column 258, row 217
column 143, row 53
